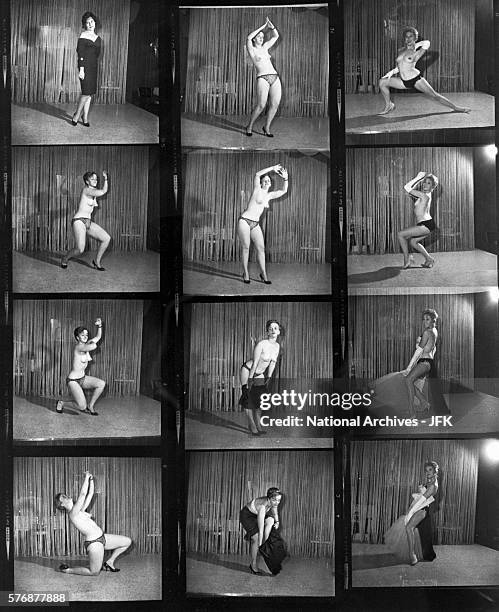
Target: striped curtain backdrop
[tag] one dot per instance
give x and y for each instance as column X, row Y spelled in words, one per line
column 221, row 483
column 46, row 187
column 385, row 473
column 220, row 75
column 218, row 187
column 223, row 337
column 44, row 343
column 383, row 331
column 44, row 35
column 127, row 501
column 373, row 36
column 378, row 205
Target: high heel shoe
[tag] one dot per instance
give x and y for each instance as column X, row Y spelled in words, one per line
column 253, row 571
column 92, row 412
column 64, row 264
column 268, row 134
column 100, row 268
column 73, row 122
column 108, row 568
column 249, row 132
column 246, row 282
column 63, row 567
column 59, row 407
column 267, row 282
column 86, row 124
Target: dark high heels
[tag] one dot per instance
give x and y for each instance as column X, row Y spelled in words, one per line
column 249, row 132
column 253, row 571
column 92, row 412
column 268, row 134
column 86, row 124
column 64, row 264
column 267, row 282
column 63, row 567
column 73, row 122
column 246, row 281
column 100, row 268
column 108, row 568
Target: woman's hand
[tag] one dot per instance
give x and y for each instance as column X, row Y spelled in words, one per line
column 98, row 322
column 283, row 173
column 405, row 372
column 104, row 175
column 270, row 24
column 81, row 74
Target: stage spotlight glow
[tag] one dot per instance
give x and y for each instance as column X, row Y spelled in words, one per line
column 494, row 294
column 491, row 450
column 491, row 151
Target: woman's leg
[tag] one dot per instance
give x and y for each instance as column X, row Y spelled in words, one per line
column 424, row 87
column 79, row 109
column 97, row 385
column 244, row 232
column 415, row 519
column 384, row 88
column 406, row 234
column 95, row 553
column 80, row 236
column 86, row 108
column 418, row 371
column 78, row 395
column 254, row 551
column 417, row 246
column 103, row 237
column 118, row 544
column 262, row 93
column 275, row 94
column 258, row 241
column 268, row 524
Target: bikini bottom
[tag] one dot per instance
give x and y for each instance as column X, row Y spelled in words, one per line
column 252, row 224
column 270, row 78
column 409, row 83
column 85, row 220
column 80, row 381
column 429, row 223
column 101, row 539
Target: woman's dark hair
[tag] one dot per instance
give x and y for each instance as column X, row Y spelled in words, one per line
column 262, row 177
column 87, row 175
column 57, row 500
column 431, row 312
column 253, row 39
column 273, row 492
column 269, row 323
column 86, row 16
column 432, row 464
column 411, row 29
column 78, row 331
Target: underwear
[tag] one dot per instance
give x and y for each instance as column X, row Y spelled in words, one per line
column 409, row 83
column 270, row 78
column 426, row 360
column 101, row 539
column 252, row 224
column 80, row 381
column 429, row 223
column 85, row 220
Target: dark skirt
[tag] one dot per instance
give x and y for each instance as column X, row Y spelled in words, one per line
column 257, row 389
column 249, row 522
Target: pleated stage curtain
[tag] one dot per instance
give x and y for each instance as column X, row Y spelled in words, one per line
column 373, row 36
column 385, row 473
column 218, row 187
column 223, row 337
column 44, row 344
column 46, row 187
column 127, row 501
column 379, row 207
column 221, row 483
column 383, row 331
column 220, row 75
column 44, row 36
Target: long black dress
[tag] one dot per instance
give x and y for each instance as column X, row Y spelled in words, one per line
column 88, row 55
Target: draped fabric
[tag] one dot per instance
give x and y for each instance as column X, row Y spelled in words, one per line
column 218, row 187
column 221, row 483
column 385, row 473
column 373, row 36
column 223, row 337
column 44, row 60
column 44, row 344
column 383, row 331
column 221, row 78
column 46, row 187
column 379, row 206
column 126, row 501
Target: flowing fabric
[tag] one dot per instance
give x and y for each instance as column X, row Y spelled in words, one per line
column 273, row 550
column 396, row 540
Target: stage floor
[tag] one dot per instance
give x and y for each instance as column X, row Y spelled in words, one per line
column 455, row 565
column 138, row 580
column 453, row 272
column 125, row 273
column 214, row 278
column 50, row 124
column 229, row 575
column 417, row 119
column 228, row 132
column 229, row 430
column 129, row 420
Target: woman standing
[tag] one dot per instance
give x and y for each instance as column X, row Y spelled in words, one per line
column 268, row 83
column 88, row 50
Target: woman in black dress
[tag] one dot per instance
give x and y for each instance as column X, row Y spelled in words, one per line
column 88, row 49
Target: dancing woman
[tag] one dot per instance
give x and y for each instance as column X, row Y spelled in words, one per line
column 410, row 537
column 88, row 50
column 268, row 83
column 77, row 380
column 255, row 374
column 248, row 225
column 83, row 225
column 96, row 541
column 406, row 76
column 420, row 188
column 258, row 518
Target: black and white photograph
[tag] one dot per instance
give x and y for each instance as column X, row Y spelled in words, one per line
column 85, row 219
column 88, row 527
column 421, row 219
column 260, row 524
column 257, row 223
column 424, row 513
column 86, row 372
column 255, row 77
column 419, row 72
column 85, row 72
